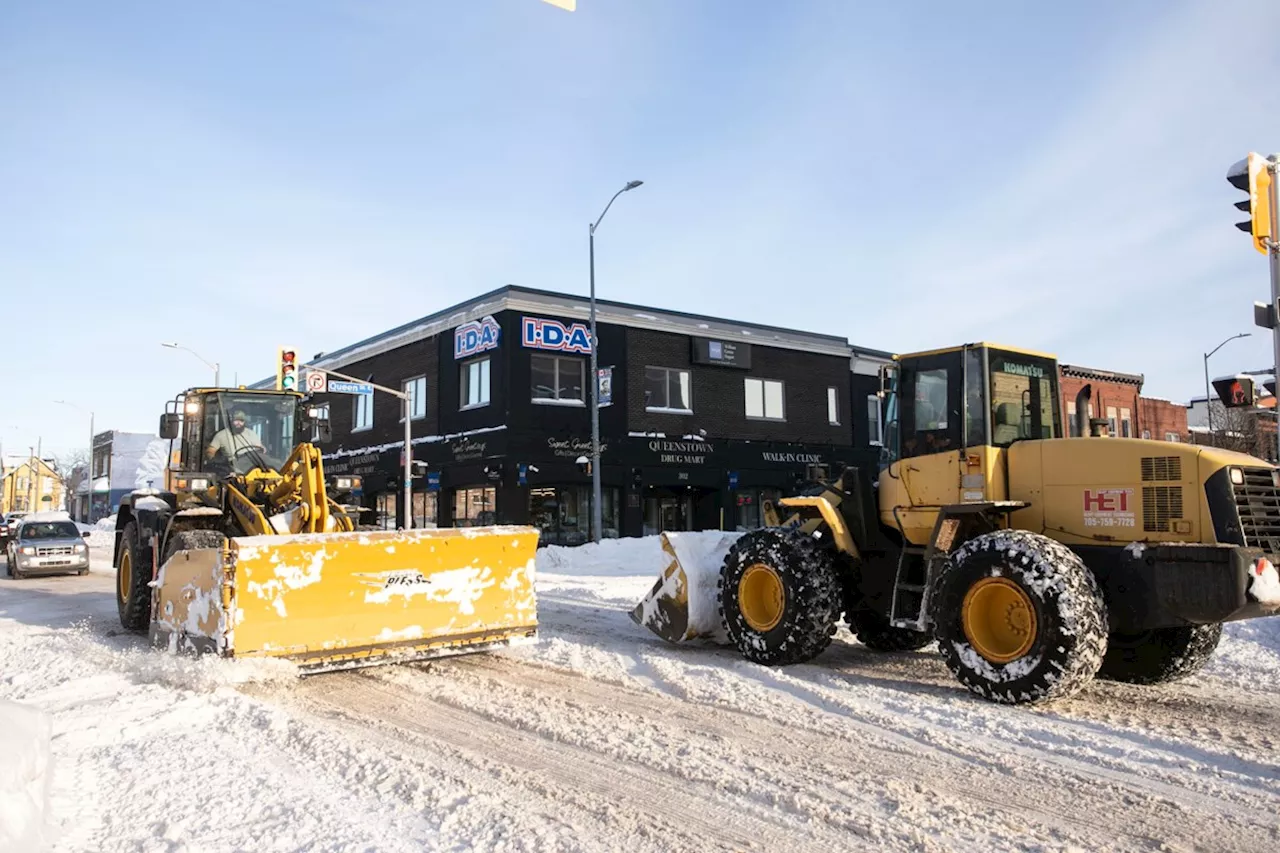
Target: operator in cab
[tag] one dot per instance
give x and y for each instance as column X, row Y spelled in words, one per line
column 234, row 439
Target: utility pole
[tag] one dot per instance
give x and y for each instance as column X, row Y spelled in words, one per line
column 1273, row 255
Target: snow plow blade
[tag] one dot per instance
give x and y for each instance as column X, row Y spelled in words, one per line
column 683, row 604
column 331, row 601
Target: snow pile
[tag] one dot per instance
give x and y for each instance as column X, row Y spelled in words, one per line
column 108, row 523
column 152, row 464
column 26, row 734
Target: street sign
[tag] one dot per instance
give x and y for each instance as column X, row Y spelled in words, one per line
column 339, row 387
column 315, row 381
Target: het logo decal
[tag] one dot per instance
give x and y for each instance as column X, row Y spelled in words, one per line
column 1108, row 508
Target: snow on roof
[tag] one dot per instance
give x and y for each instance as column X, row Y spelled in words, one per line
column 47, row 515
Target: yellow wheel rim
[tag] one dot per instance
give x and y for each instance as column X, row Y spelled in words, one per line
column 125, row 574
column 999, row 619
column 761, row 597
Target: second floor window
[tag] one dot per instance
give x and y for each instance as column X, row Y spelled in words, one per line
column 474, row 383
column 558, row 379
column 363, row 416
column 765, row 399
column 416, row 388
column 833, row 406
column 322, row 411
column 875, row 424
column 667, row 389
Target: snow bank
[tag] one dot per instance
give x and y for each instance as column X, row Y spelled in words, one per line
column 108, row 523
column 26, row 734
column 629, row 556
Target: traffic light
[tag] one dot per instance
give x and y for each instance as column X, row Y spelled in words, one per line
column 287, row 369
column 1235, row 391
column 1252, row 175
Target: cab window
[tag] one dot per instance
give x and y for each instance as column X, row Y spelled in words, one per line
column 930, row 406
column 1024, row 399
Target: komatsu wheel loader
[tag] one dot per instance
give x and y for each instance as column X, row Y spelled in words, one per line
column 1035, row 560
column 245, row 552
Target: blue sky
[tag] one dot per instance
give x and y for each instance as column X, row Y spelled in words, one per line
column 242, row 174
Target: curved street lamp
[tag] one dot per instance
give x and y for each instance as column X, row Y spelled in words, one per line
column 597, row 511
column 1208, row 403
column 217, row 378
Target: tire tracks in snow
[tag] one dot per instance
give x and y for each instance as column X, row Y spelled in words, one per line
column 813, row 780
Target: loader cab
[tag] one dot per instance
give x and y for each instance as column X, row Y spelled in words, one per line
column 226, row 432
column 973, row 396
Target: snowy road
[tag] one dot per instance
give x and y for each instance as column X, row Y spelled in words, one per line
column 602, row 737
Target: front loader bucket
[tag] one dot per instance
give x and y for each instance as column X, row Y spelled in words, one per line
column 683, row 604
column 341, row 600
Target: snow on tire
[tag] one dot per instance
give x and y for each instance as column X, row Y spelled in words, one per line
column 1164, row 654
column 797, row 622
column 1033, row 607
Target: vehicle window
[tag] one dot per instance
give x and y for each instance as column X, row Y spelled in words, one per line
column 49, row 530
column 1024, row 399
column 928, row 425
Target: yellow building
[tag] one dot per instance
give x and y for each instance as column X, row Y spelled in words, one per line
column 30, row 485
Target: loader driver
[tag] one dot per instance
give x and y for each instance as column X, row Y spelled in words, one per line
column 234, row 440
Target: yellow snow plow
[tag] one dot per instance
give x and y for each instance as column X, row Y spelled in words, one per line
column 244, row 555
column 340, row 600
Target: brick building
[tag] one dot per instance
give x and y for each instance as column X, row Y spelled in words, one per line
column 701, row 418
column 1162, row 419
column 1114, row 396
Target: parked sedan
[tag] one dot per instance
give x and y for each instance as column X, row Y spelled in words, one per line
column 9, row 524
column 45, row 546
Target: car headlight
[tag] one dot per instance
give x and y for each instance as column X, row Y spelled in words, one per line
column 27, row 550
column 80, row 549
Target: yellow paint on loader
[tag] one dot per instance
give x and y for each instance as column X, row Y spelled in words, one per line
column 341, row 600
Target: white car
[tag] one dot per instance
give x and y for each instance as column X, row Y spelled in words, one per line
column 46, row 543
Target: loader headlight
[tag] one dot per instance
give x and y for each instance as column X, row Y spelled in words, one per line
column 192, row 407
column 1237, row 476
column 192, row 484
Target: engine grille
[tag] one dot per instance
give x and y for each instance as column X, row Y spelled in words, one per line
column 1160, row 504
column 55, row 551
column 1161, row 468
column 1258, row 502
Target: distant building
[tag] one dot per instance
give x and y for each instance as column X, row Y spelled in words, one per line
column 30, row 485
column 1117, row 398
column 1163, row 420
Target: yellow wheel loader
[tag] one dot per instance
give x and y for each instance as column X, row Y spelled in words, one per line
column 246, row 552
column 1035, row 560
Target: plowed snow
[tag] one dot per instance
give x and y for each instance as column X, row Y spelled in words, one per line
column 602, row 737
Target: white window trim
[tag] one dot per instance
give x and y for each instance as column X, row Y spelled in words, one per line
column 670, row 410
column 557, row 401
column 878, row 439
column 404, row 385
column 355, row 410
column 763, row 399
column 463, row 369
column 833, row 405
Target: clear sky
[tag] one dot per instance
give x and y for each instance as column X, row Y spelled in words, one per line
column 241, row 174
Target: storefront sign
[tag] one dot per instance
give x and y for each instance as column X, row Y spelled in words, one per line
column 792, row 458
column 476, row 337
column 682, row 452
column 366, row 463
column 721, row 353
column 467, row 448
column 573, row 447
column 433, row 481
column 539, row 333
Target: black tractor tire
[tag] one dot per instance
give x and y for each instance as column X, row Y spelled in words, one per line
column 134, row 568
column 874, row 631
column 810, row 596
column 1160, row 655
column 1059, row 618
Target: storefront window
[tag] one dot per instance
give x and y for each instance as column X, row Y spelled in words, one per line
column 563, row 514
column 751, row 506
column 388, row 511
column 426, row 506
column 474, row 507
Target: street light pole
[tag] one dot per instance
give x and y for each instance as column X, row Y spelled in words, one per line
column 597, row 511
column 217, row 374
column 1273, row 257
column 88, row 467
column 1208, row 404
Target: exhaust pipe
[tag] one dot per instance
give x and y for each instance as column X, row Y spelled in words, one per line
column 1082, row 410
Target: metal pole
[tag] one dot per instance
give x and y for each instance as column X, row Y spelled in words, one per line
column 217, row 375
column 408, row 464
column 597, row 512
column 88, row 473
column 1208, row 406
column 1273, row 255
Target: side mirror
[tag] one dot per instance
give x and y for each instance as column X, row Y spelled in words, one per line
column 170, row 425
column 85, row 533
